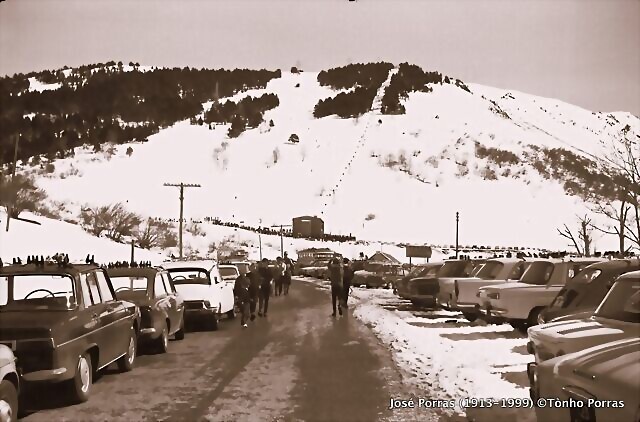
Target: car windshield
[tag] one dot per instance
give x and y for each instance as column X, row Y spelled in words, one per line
column 426, row 272
column 490, row 270
column 181, row 276
column 129, row 287
column 243, row 267
column 622, row 303
column 455, row 269
column 228, row 271
column 538, row 273
column 37, row 292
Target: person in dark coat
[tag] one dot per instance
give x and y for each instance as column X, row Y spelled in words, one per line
column 286, row 282
column 336, row 276
column 242, row 297
column 255, row 280
column 347, row 277
column 278, row 275
column 265, row 287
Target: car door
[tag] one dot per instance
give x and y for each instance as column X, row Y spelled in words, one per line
column 99, row 334
column 177, row 303
column 113, row 319
column 224, row 291
column 162, row 299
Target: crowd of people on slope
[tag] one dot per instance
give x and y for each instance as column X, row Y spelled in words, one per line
column 253, row 289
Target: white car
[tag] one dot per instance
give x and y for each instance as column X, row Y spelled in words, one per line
column 229, row 273
column 519, row 303
column 206, row 295
column 9, row 385
column 466, row 289
column 617, row 317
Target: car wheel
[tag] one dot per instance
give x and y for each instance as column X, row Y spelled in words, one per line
column 469, row 316
column 125, row 363
column 231, row 314
column 180, row 333
column 520, row 326
column 8, row 401
column 82, row 381
column 162, row 342
column 213, row 323
column 533, row 317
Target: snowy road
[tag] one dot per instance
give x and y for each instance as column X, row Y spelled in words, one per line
column 300, row 364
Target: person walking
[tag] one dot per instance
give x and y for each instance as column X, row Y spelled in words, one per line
column 278, row 275
column 265, row 287
column 347, row 277
column 336, row 276
column 242, row 298
column 255, row 281
column 286, row 282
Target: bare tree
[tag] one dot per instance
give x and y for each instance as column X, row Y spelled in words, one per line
column 155, row 233
column 583, row 241
column 20, row 194
column 622, row 165
column 112, row 220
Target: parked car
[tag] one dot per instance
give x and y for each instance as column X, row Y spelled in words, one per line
column 65, row 323
column 424, row 290
column 378, row 275
column 161, row 307
column 423, row 271
column 519, row 303
column 206, row 296
column 581, row 295
column 496, row 271
column 617, row 317
column 242, row 266
column 9, row 385
column 318, row 269
column 229, row 273
column 604, row 379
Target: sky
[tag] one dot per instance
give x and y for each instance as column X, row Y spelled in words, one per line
column 585, row 52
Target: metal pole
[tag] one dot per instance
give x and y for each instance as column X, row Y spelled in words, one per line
column 13, row 174
column 260, row 240
column 281, row 244
column 457, row 220
column 181, row 214
column 133, row 249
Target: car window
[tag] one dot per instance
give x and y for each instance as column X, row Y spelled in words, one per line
column 37, row 291
column 490, row 270
column 538, row 273
column 103, row 284
column 622, row 303
column 167, row 283
column 189, row 276
column 518, row 271
column 159, row 288
column 90, row 289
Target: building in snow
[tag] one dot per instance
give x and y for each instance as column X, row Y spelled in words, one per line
column 308, row 227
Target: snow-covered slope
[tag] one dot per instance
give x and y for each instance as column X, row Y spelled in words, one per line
column 342, row 169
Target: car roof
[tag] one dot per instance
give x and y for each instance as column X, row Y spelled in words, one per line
column 632, row 275
column 227, row 266
column 47, row 268
column 148, row 272
column 207, row 264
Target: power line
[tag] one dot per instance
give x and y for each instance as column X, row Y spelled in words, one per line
column 182, row 186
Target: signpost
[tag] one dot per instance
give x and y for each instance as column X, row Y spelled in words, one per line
column 418, row 252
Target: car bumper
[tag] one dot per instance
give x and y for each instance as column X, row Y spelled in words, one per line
column 468, row 307
column 532, row 374
column 191, row 314
column 53, row 375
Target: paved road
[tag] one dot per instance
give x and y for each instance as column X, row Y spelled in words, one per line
column 298, row 365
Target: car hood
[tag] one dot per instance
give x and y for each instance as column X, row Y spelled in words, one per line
column 617, row 364
column 584, row 330
column 195, row 291
column 16, row 325
column 6, row 356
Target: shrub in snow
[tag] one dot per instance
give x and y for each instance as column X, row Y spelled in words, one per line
column 155, row 233
column 20, row 194
column 294, row 138
column 370, row 217
column 112, row 220
column 196, row 230
column 129, row 151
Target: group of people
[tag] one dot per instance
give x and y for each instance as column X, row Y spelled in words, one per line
column 255, row 287
column 340, row 275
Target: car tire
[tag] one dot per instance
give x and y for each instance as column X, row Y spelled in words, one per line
column 180, row 333
column 470, row 316
column 125, row 363
column 8, row 401
column 162, row 342
column 231, row 314
column 533, row 317
column 213, row 323
column 80, row 385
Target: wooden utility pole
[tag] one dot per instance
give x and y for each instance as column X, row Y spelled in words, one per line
column 133, row 249
column 281, row 238
column 13, row 174
column 457, row 221
column 182, row 186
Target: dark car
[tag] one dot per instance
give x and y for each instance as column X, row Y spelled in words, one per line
column 161, row 307
column 378, row 274
column 424, row 290
column 581, row 295
column 429, row 270
column 64, row 323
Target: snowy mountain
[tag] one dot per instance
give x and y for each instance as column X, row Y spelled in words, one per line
column 384, row 178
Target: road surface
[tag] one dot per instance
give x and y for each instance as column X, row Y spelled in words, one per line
column 300, row 364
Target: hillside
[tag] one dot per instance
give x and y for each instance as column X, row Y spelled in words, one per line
column 398, row 177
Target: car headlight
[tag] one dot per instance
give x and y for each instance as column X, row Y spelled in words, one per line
column 207, row 304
